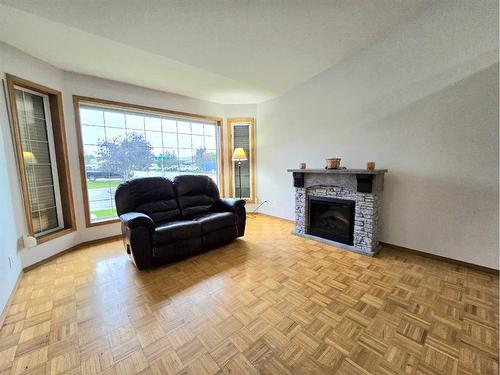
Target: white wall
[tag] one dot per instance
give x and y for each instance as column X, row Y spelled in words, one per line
column 422, row 102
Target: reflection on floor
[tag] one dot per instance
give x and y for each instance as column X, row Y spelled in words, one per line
column 271, row 303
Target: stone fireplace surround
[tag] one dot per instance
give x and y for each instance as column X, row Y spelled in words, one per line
column 361, row 186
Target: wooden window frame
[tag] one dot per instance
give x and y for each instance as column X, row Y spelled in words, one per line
column 61, row 151
column 77, row 100
column 251, row 121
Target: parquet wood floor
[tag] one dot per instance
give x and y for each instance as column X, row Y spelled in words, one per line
column 271, row 303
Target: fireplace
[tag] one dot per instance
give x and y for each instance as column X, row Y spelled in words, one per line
column 340, row 207
column 332, row 219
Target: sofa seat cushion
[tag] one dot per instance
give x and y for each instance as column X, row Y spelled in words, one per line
column 212, row 222
column 174, row 231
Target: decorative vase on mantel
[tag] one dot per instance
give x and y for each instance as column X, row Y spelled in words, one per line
column 333, row 163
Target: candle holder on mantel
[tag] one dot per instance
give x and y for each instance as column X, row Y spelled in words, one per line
column 370, row 165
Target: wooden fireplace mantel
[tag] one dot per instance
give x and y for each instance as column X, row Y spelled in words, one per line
column 339, row 171
column 362, row 179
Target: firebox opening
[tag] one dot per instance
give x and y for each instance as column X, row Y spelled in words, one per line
column 332, row 219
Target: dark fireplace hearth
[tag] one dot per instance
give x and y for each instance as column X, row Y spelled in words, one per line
column 332, row 219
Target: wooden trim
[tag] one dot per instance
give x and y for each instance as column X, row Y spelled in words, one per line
column 251, row 121
column 222, row 161
column 441, row 258
column 104, row 222
column 73, row 248
column 77, row 100
column 18, row 81
column 3, row 315
column 253, row 161
column 81, row 160
column 53, row 235
column 274, row 217
column 142, row 108
column 11, row 82
column 62, row 159
column 230, row 150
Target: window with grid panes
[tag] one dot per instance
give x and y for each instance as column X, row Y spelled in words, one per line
column 120, row 144
column 38, row 152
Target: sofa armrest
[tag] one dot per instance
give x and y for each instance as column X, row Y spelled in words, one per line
column 137, row 230
column 136, row 219
column 230, row 204
column 236, row 206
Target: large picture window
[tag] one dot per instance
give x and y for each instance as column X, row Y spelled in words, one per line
column 121, row 142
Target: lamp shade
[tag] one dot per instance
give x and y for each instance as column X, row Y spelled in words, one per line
column 29, row 158
column 239, row 154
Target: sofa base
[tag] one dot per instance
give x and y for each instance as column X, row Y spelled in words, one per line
column 176, row 250
column 219, row 237
column 184, row 249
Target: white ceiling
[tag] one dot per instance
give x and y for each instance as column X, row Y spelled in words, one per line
column 223, row 51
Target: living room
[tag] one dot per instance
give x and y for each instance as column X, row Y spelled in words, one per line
column 342, row 217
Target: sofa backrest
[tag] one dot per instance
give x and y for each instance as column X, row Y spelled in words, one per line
column 196, row 194
column 153, row 196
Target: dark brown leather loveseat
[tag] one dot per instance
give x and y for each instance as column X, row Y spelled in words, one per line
column 164, row 220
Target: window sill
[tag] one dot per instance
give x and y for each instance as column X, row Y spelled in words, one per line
column 52, row 236
column 103, row 222
column 247, row 200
